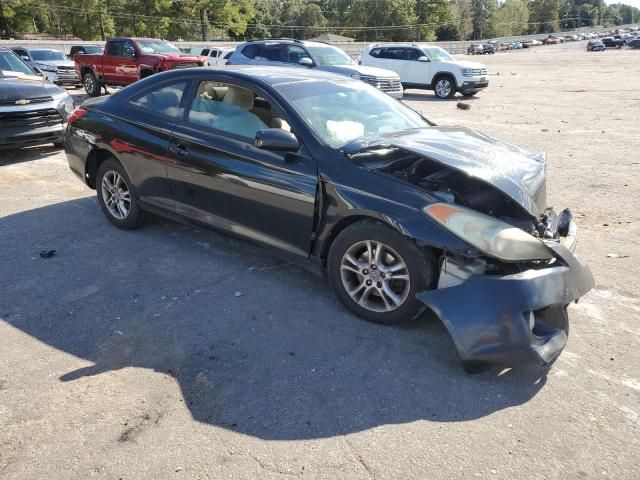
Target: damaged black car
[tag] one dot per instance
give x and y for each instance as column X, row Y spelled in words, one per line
column 401, row 214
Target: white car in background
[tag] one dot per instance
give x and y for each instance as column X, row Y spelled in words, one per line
column 217, row 56
column 428, row 66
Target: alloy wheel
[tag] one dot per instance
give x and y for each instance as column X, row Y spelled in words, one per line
column 88, row 84
column 443, row 88
column 116, row 195
column 375, row 276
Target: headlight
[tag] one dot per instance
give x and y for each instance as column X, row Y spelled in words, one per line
column 65, row 101
column 467, row 72
column 45, row 67
column 355, row 76
column 489, row 235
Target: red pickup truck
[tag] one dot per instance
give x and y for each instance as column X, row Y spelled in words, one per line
column 126, row 60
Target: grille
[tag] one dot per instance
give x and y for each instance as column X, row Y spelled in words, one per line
column 384, row 84
column 66, row 69
column 479, row 71
column 184, row 65
column 33, row 118
column 31, row 101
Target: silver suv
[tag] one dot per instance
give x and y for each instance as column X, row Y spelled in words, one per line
column 54, row 65
column 287, row 52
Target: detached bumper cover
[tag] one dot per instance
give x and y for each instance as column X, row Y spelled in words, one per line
column 489, row 317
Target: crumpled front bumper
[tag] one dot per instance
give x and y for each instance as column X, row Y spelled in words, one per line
column 490, row 317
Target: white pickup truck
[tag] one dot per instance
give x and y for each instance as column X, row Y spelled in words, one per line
column 427, row 66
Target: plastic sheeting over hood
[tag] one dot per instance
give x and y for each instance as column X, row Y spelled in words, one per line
column 519, row 174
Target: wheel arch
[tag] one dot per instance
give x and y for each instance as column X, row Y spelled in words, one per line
column 87, row 69
column 441, row 74
column 95, row 158
column 146, row 72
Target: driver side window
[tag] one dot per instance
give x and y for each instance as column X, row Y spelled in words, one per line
column 233, row 109
column 295, row 54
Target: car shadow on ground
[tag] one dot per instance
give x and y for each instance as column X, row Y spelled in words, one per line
column 413, row 95
column 257, row 344
column 27, row 154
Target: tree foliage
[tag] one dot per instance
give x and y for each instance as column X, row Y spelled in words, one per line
column 367, row 20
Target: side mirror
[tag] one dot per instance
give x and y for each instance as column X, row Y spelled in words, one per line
column 305, row 62
column 423, row 59
column 276, row 139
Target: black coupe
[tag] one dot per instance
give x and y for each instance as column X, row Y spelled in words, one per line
column 401, row 214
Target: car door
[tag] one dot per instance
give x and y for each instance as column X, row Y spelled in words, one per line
column 140, row 138
column 111, row 59
column 129, row 66
column 417, row 72
column 394, row 59
column 220, row 178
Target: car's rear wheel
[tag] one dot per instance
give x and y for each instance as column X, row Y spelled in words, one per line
column 376, row 272
column 444, row 87
column 116, row 197
column 91, row 84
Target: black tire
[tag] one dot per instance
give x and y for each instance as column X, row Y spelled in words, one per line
column 91, row 84
column 420, row 267
column 444, row 78
column 469, row 94
column 134, row 217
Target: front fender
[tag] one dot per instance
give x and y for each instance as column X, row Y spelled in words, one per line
column 341, row 205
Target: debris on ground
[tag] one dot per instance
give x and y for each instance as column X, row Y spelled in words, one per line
column 463, row 106
column 237, row 293
column 616, row 255
column 47, row 253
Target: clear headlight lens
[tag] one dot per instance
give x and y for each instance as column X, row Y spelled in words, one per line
column 355, row 76
column 45, row 67
column 467, row 72
column 489, row 235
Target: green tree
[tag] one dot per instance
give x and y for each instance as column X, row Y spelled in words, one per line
column 511, row 18
column 545, row 14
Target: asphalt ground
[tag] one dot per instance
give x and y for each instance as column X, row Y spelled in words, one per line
column 175, row 352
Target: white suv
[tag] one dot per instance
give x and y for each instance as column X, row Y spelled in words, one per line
column 427, row 66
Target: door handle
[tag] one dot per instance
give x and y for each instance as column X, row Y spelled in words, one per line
column 180, row 151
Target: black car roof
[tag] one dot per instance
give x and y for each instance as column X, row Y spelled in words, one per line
column 271, row 75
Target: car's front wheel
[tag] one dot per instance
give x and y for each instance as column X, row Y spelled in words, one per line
column 444, row 87
column 116, row 197
column 376, row 272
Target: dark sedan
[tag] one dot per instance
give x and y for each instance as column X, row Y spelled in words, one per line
column 401, row 214
column 32, row 111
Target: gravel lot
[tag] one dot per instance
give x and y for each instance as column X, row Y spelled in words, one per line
column 130, row 354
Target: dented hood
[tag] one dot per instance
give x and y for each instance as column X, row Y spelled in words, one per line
column 516, row 172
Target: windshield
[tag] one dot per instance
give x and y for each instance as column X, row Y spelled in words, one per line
column 342, row 112
column 437, row 54
column 156, row 46
column 47, row 55
column 10, row 63
column 330, row 56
